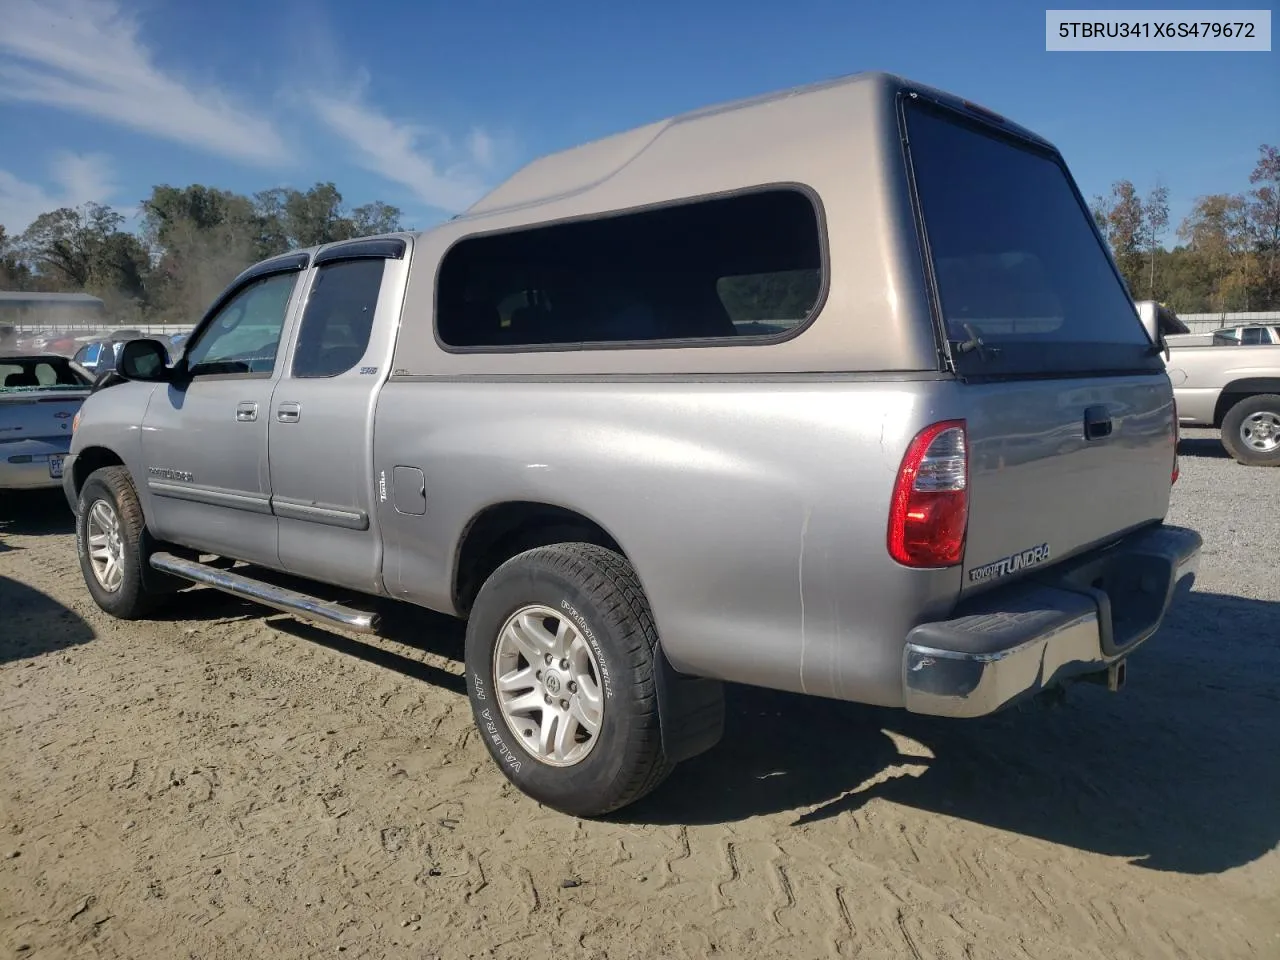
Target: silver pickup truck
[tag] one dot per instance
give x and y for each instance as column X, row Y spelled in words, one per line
column 1228, row 383
column 834, row 391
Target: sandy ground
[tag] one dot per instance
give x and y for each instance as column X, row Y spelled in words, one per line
column 230, row 783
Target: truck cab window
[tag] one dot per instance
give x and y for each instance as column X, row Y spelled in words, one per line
column 244, row 336
column 338, row 318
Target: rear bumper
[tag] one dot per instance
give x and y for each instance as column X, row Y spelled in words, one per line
column 1077, row 619
column 26, row 465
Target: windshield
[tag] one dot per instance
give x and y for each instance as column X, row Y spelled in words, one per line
column 1017, row 263
column 35, row 374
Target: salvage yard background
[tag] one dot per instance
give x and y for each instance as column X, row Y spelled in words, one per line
column 231, row 783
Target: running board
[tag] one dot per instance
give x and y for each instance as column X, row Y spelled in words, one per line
column 300, row 605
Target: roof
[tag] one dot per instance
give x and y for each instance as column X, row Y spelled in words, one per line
column 33, row 296
column 821, row 115
column 768, row 138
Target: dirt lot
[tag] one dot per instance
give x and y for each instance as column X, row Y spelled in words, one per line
column 230, row 783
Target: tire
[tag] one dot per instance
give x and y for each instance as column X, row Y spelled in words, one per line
column 1251, row 431
column 592, row 595
column 135, row 590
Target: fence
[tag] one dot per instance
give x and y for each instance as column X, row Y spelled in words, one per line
column 1206, row 322
column 79, row 329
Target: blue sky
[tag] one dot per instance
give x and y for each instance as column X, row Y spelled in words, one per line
column 427, row 104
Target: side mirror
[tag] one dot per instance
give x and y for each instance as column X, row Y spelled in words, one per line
column 144, row 360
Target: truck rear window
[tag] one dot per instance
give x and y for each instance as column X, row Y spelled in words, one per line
column 1015, row 257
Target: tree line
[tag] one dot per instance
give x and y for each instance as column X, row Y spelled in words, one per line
column 193, row 240
column 1227, row 254
column 190, row 244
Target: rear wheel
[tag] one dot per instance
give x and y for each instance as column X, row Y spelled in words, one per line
column 114, row 547
column 561, row 658
column 1251, row 431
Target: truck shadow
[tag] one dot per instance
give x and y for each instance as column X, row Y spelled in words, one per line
column 1209, row 448
column 34, row 513
column 33, row 623
column 410, row 627
column 422, row 631
column 1179, row 772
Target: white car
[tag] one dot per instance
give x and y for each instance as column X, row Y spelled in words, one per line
column 40, row 395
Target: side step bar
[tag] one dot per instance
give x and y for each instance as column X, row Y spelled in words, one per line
column 300, row 605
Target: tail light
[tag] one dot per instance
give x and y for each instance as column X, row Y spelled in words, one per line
column 1177, row 435
column 929, row 513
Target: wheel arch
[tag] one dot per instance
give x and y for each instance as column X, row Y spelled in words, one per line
column 499, row 531
column 90, row 459
column 1241, row 389
column 691, row 709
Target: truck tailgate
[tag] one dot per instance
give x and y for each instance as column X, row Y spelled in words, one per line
column 1044, row 486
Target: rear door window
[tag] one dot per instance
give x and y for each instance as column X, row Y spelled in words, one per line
column 1017, row 263
column 338, row 319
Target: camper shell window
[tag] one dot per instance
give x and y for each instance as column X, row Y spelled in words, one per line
column 741, row 268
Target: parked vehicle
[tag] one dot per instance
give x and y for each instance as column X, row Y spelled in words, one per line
column 51, row 343
column 682, row 406
column 99, row 356
column 1229, row 384
column 39, row 396
column 1246, row 335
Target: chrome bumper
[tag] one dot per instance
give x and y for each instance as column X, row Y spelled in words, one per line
column 1080, row 619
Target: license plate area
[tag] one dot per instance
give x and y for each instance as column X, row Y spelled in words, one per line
column 55, row 466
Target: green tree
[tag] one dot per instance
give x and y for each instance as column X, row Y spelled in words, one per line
column 1216, row 232
column 1122, row 219
column 67, row 244
column 1262, row 209
column 316, row 216
column 201, row 237
column 374, row 218
column 293, row 218
column 1155, row 219
column 14, row 273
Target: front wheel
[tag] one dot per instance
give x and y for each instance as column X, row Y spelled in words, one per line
column 561, row 656
column 114, row 547
column 1251, row 431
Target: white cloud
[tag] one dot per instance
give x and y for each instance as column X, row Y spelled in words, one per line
column 85, row 56
column 481, row 147
column 439, row 173
column 79, row 179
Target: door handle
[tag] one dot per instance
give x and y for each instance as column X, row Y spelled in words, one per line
column 288, row 412
column 247, row 412
column 1097, row 423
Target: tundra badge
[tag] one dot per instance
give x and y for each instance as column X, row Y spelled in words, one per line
column 1032, row 556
